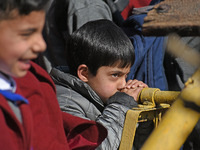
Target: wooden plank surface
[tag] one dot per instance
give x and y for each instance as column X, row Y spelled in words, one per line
column 180, row 16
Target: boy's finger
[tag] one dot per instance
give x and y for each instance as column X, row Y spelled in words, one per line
column 136, row 84
column 131, row 84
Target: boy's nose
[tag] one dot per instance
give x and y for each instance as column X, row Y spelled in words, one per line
column 39, row 45
column 121, row 84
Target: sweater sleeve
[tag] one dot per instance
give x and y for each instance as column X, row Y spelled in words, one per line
column 123, row 99
column 113, row 117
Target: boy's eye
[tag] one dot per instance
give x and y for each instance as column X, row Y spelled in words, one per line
column 28, row 32
column 115, row 75
column 25, row 34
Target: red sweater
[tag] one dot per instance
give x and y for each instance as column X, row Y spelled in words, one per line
column 44, row 126
column 134, row 4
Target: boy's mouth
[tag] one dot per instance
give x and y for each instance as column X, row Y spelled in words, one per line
column 24, row 64
column 26, row 61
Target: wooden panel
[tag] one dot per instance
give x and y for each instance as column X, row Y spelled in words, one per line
column 180, row 16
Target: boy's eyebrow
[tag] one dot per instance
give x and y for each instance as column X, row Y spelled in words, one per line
column 116, row 71
column 120, row 72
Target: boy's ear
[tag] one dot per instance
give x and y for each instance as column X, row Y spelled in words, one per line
column 82, row 72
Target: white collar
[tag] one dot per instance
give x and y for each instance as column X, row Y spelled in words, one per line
column 7, row 83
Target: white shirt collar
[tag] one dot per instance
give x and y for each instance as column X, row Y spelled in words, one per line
column 7, row 83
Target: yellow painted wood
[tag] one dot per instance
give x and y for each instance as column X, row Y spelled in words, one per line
column 129, row 129
column 174, row 128
column 179, row 120
column 135, row 115
column 153, row 96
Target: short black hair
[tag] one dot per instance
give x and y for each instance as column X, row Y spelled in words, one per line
column 99, row 43
column 23, row 7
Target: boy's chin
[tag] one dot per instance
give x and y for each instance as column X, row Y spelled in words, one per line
column 104, row 100
column 20, row 74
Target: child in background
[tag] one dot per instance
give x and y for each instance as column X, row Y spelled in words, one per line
column 30, row 117
column 94, row 86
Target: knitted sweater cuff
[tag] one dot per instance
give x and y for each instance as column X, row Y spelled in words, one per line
column 123, row 99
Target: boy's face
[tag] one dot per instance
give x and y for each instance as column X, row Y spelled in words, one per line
column 108, row 81
column 20, row 41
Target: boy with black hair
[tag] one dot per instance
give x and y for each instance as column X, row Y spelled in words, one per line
column 94, row 87
column 30, row 117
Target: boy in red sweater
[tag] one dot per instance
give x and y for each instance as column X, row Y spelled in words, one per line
column 30, row 118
